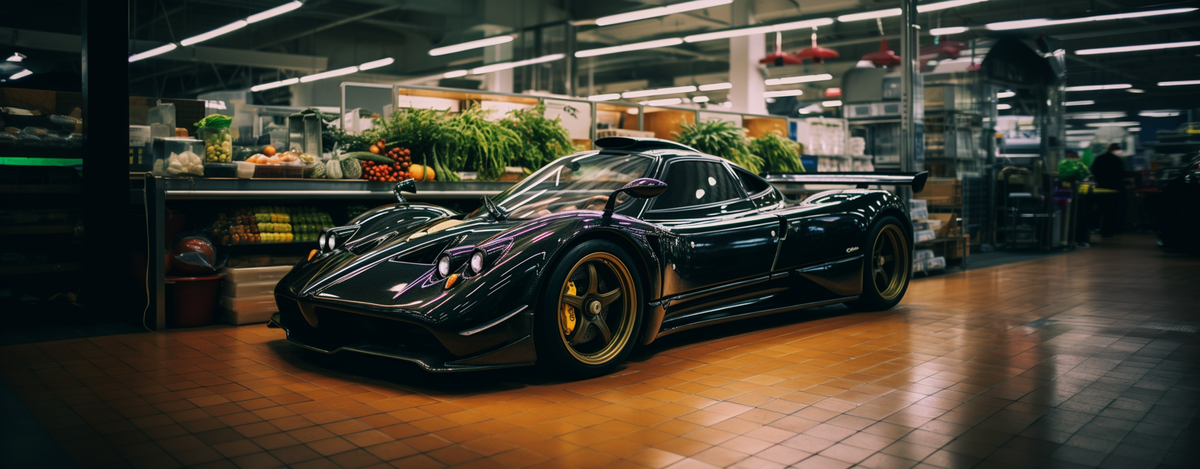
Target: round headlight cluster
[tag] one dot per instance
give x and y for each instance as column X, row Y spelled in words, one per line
column 476, row 263
column 331, row 242
column 443, row 266
column 321, row 241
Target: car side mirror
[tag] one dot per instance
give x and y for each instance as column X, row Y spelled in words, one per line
column 643, row 188
column 407, row 185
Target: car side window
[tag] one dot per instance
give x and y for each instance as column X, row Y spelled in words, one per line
column 693, row 183
column 753, row 184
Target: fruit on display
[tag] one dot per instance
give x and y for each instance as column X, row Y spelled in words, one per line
column 180, row 163
column 390, row 166
column 333, row 169
column 270, row 224
column 218, row 142
column 285, row 158
column 268, row 150
column 314, row 171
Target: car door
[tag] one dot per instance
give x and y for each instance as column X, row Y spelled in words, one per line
column 723, row 245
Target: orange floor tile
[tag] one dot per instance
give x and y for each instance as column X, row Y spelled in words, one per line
column 1083, row 359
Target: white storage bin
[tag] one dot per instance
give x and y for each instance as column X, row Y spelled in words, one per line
column 923, row 254
column 918, row 204
column 246, row 289
column 255, row 274
column 936, row 263
column 919, row 214
column 250, row 310
column 924, row 235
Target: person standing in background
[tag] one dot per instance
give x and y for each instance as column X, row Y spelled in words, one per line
column 1109, row 173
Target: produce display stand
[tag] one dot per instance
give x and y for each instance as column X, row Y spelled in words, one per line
column 157, row 193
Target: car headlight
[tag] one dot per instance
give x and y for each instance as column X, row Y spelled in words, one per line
column 331, row 242
column 476, row 263
column 443, row 266
column 321, row 241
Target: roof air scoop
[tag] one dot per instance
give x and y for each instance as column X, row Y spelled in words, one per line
column 640, row 144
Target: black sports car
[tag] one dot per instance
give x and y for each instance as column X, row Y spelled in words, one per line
column 1177, row 208
column 591, row 255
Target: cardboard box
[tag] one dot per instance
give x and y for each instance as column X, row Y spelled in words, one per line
column 941, row 191
column 949, row 226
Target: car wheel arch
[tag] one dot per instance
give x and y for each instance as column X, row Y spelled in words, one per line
column 642, row 264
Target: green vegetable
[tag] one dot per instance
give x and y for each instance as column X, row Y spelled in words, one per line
column 368, row 156
column 333, row 169
column 351, row 168
column 215, row 121
column 1072, row 170
column 779, row 154
column 472, row 142
column 544, row 139
column 720, row 138
column 315, row 171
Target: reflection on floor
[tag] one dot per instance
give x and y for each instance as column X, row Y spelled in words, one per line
column 1083, row 359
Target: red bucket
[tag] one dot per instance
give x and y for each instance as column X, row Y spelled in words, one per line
column 191, row 301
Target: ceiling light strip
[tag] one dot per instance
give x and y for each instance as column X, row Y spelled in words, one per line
column 1085, row 102
column 782, row 93
column 160, row 50
column 798, row 79
column 1119, row 86
column 279, row 10
column 659, row 11
column 1043, row 22
column 520, row 63
column 728, row 33
column 491, row 41
column 1138, row 48
column 1179, row 83
column 659, row 91
column 629, row 47
column 716, row 86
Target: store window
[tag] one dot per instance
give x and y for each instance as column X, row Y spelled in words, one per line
column 753, row 184
column 695, row 183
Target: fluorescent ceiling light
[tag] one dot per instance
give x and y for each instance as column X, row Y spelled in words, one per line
column 1003, row 107
column 700, row 99
column 716, row 86
column 1119, row 86
column 604, row 97
column 782, row 93
column 799, row 79
column 1113, row 124
column 275, row 84
column 1138, row 48
column 279, row 10
column 1006, row 94
column 869, row 15
column 1043, row 22
column 520, row 63
column 728, row 33
column 629, row 47
column 1085, row 102
column 491, row 41
column 1135, row 90
column 330, row 74
column 376, row 64
column 231, row 27
column 834, row 103
column 1179, row 83
column 945, row 5
column 663, row 102
column 948, row 31
column 160, row 50
column 456, row 74
column 1163, row 113
column 659, row 11
column 21, row 74
column 16, row 57
column 1094, row 115
column 1134, row 129
column 1080, row 139
column 658, row 92
column 1081, row 132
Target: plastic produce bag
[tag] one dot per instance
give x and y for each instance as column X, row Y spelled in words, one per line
column 194, row 255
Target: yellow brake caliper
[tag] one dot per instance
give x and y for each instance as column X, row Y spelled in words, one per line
column 568, row 313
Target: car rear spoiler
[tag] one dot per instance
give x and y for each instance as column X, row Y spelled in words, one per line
column 862, row 180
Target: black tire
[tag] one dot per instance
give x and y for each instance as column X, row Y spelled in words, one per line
column 570, row 329
column 887, row 266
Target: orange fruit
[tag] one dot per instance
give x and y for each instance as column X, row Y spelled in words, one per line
column 269, row 150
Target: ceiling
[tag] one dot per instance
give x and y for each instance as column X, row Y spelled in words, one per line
column 328, row 34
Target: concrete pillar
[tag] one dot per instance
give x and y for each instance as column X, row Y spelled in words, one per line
column 744, row 52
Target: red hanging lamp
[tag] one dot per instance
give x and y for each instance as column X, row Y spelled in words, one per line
column 779, row 58
column 817, row 53
column 883, row 57
column 944, row 49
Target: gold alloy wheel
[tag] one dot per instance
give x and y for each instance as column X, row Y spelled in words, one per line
column 890, row 265
column 597, row 322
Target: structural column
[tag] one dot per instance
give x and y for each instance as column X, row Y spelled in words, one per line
column 908, row 75
column 744, row 52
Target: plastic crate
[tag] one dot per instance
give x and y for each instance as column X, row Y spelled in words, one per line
column 255, row 274
column 247, row 289
column 250, row 310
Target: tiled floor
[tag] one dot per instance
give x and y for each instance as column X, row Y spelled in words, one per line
column 1084, row 359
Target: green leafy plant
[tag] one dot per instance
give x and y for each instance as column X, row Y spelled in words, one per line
column 472, row 141
column 779, row 154
column 720, row 138
column 543, row 140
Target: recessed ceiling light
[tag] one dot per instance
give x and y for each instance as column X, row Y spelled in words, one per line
column 1119, row 86
column 1179, row 83
column 1138, row 48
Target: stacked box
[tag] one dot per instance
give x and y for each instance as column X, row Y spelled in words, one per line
column 941, row 191
column 248, row 293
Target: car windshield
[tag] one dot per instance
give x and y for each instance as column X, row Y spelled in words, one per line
column 576, row 182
